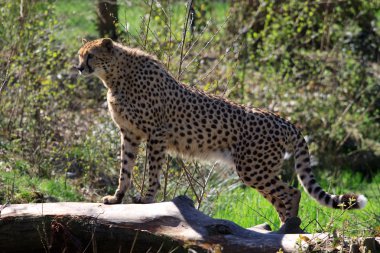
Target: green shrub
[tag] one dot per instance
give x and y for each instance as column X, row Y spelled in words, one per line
column 314, row 63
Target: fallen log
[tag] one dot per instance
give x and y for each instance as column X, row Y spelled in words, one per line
column 174, row 226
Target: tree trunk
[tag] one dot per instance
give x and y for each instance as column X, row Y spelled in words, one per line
column 107, row 18
column 174, row 226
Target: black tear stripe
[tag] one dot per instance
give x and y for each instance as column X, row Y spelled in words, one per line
column 90, row 70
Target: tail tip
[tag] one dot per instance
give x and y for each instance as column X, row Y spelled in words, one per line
column 361, row 201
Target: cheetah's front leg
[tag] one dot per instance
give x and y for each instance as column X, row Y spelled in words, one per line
column 156, row 146
column 129, row 149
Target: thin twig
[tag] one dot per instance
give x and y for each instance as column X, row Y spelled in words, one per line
column 134, row 242
column 178, row 182
column 197, row 38
column 159, row 249
column 206, row 45
column 204, row 185
column 189, row 179
column 192, row 176
column 144, row 173
column 169, row 19
column 213, row 68
column 171, row 251
column 166, row 175
column 189, row 3
column 147, row 27
column 6, row 75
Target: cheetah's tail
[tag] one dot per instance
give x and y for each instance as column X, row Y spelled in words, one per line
column 307, row 179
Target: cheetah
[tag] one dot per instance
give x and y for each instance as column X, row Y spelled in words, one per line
column 148, row 104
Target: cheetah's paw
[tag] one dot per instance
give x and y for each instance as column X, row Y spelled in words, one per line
column 142, row 200
column 110, row 200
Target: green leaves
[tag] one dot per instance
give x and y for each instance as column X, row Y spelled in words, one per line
column 305, row 66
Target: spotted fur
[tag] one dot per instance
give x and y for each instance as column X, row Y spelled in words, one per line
column 148, row 104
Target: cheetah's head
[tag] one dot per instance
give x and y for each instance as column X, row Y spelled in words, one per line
column 95, row 57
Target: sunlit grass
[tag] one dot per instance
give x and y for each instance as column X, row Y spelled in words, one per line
column 19, row 186
column 78, row 18
column 248, row 208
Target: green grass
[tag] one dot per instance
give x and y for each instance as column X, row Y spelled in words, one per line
column 20, row 186
column 248, row 208
column 78, row 18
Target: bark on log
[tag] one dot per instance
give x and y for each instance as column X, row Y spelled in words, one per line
column 174, row 226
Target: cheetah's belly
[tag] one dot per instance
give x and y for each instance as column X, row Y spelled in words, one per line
column 223, row 155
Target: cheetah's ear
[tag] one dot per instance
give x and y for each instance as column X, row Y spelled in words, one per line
column 84, row 41
column 107, row 43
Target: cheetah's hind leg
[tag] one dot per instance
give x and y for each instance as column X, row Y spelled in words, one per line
column 138, row 199
column 291, row 226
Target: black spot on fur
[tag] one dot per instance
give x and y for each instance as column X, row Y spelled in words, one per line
column 327, row 199
column 130, row 155
column 317, row 189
